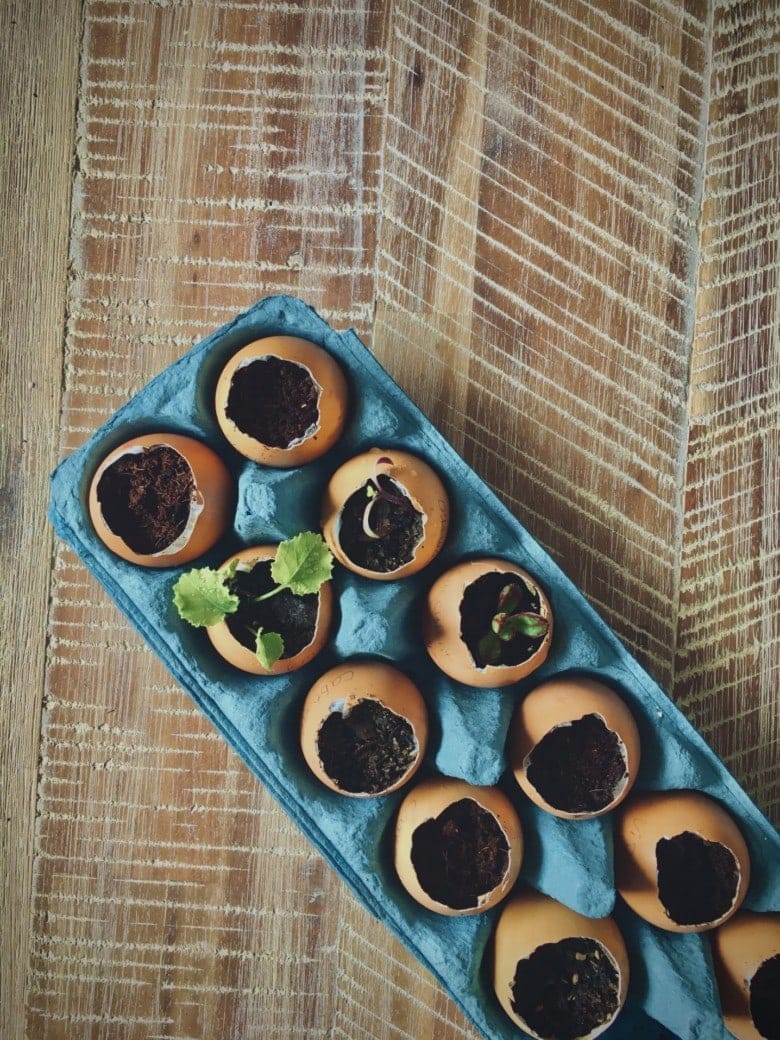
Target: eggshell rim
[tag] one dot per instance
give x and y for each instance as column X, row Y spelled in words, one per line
column 221, row 631
column 562, row 693
column 331, row 386
column 623, row 784
column 312, row 755
column 555, row 914
column 421, row 557
column 755, row 948
column 647, row 901
column 488, row 676
column 460, row 790
column 173, row 555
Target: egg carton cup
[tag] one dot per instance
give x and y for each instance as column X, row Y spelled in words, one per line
column 672, row 979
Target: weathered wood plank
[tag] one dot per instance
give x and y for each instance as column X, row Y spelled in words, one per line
column 504, row 197
column 38, row 65
column 728, row 652
column 221, row 156
column 567, row 316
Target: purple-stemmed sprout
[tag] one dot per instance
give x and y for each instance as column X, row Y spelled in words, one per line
column 375, row 493
column 506, row 624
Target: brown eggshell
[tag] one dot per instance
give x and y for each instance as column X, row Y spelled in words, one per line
column 441, row 626
column 740, row 947
column 427, row 801
column 424, row 488
column 558, row 703
column 213, row 502
column 241, row 656
column 340, row 689
column 528, row 921
column 641, row 823
column 332, row 403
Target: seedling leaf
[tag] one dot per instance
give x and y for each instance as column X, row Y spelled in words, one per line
column 498, row 625
column 509, row 598
column 269, row 647
column 528, row 624
column 489, row 649
column 202, row 598
column 302, row 564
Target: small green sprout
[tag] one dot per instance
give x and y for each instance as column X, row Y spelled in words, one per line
column 505, row 625
column 203, row 596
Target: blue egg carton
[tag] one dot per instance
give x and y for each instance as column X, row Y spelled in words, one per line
column 672, row 990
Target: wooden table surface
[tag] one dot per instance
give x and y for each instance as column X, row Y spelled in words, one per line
column 556, row 224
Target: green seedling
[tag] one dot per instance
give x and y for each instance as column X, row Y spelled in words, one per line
column 506, row 625
column 203, row 596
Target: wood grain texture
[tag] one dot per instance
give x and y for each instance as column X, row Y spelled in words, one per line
column 576, row 176
column 728, row 647
column 556, row 223
column 37, row 84
column 222, row 155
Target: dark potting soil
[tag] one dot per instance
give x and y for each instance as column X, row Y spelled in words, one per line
column 274, row 401
column 697, row 879
column 293, row 617
column 566, row 989
column 145, row 497
column 398, row 525
column 368, row 749
column 577, row 768
column 480, row 604
column 765, row 998
column 460, row 855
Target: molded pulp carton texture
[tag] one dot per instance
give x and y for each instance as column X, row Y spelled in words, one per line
column 672, row 980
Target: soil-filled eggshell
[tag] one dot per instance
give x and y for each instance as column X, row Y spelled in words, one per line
column 670, row 849
column 746, row 953
column 210, row 507
column 442, row 625
column 240, row 656
column 419, row 485
column 530, row 920
column 326, row 413
column 598, row 781
column 420, row 813
column 339, row 695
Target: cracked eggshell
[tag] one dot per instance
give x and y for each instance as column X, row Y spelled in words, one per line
column 424, row 488
column 332, row 401
column 442, row 626
column 740, row 947
column 240, row 656
column 340, row 689
column 528, row 921
column 643, row 821
column 560, row 702
column 211, row 510
column 427, row 801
